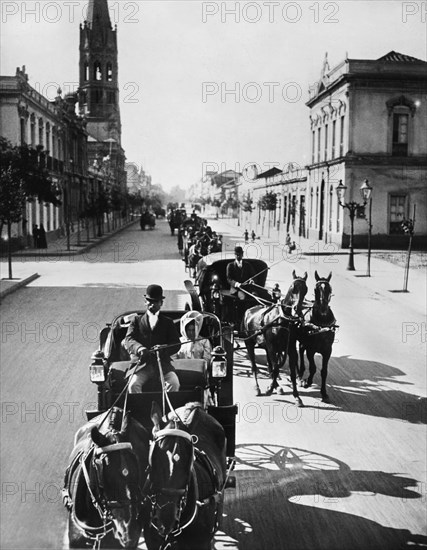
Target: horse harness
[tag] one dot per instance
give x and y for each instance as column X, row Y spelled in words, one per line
column 101, row 504
column 197, row 456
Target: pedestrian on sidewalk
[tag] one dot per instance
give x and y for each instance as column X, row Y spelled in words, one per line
column 42, row 237
column 253, row 235
column 246, row 234
column 36, row 236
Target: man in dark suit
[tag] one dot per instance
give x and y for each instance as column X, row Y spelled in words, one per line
column 239, row 275
column 149, row 330
column 239, row 272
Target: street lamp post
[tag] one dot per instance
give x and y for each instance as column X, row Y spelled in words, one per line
column 352, row 208
column 366, row 192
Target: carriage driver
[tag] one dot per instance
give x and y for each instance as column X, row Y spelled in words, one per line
column 239, row 272
column 149, row 330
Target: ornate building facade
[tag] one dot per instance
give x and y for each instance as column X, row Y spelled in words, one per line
column 27, row 117
column 368, row 120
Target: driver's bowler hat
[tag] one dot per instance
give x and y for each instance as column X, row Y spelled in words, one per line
column 154, row 293
column 238, row 250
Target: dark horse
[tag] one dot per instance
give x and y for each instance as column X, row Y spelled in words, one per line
column 187, row 474
column 103, row 483
column 175, row 219
column 318, row 334
column 274, row 328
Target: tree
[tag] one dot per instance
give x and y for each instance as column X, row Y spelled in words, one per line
column 268, row 203
column 23, row 177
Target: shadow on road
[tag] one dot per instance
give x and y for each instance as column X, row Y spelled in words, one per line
column 273, row 479
column 355, row 386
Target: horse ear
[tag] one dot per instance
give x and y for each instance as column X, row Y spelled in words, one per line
column 294, row 275
column 316, row 276
column 305, row 276
column 98, row 438
column 329, row 276
column 156, row 416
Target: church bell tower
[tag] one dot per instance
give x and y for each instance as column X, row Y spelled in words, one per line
column 99, row 85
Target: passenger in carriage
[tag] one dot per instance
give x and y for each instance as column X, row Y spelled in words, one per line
column 192, row 346
column 149, row 330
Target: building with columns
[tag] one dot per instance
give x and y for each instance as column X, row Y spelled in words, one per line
column 368, row 120
column 27, row 117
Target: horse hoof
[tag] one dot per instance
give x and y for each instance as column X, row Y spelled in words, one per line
column 325, row 399
column 269, row 391
column 257, row 392
column 298, row 402
column 306, row 384
column 280, row 391
column 301, row 383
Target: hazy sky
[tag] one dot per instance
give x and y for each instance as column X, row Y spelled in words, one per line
column 211, row 84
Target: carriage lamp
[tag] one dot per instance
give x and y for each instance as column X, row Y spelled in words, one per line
column 215, row 287
column 277, row 293
column 219, row 363
column 97, row 369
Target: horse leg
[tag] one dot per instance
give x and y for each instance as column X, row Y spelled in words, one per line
column 301, row 365
column 293, row 363
column 324, row 374
column 273, row 365
column 312, row 370
column 250, row 347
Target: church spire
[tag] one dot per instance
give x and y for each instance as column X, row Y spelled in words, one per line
column 98, row 14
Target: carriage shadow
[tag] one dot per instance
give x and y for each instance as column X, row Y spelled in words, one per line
column 355, row 386
column 289, row 493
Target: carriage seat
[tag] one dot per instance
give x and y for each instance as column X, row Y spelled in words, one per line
column 191, row 373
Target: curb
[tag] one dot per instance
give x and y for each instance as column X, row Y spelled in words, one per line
column 18, row 285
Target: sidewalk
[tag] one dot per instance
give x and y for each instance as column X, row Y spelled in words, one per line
column 56, row 248
column 386, row 278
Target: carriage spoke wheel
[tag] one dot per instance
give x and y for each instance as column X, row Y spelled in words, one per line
column 277, row 457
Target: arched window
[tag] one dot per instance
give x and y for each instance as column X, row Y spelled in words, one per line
column 33, row 130
column 97, row 72
column 41, row 131
column 48, row 137
column 109, row 72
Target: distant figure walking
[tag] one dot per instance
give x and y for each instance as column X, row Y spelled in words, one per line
column 253, row 236
column 42, row 237
column 246, row 234
column 36, row 236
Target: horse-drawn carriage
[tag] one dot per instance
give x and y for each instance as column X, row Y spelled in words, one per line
column 148, row 219
column 211, row 291
column 193, row 431
column 175, row 218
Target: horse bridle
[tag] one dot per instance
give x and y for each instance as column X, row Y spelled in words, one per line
column 182, row 493
column 103, row 505
column 320, row 287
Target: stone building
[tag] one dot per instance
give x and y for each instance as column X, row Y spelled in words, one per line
column 368, row 120
column 27, row 117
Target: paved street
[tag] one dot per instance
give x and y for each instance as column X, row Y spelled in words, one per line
column 350, row 474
